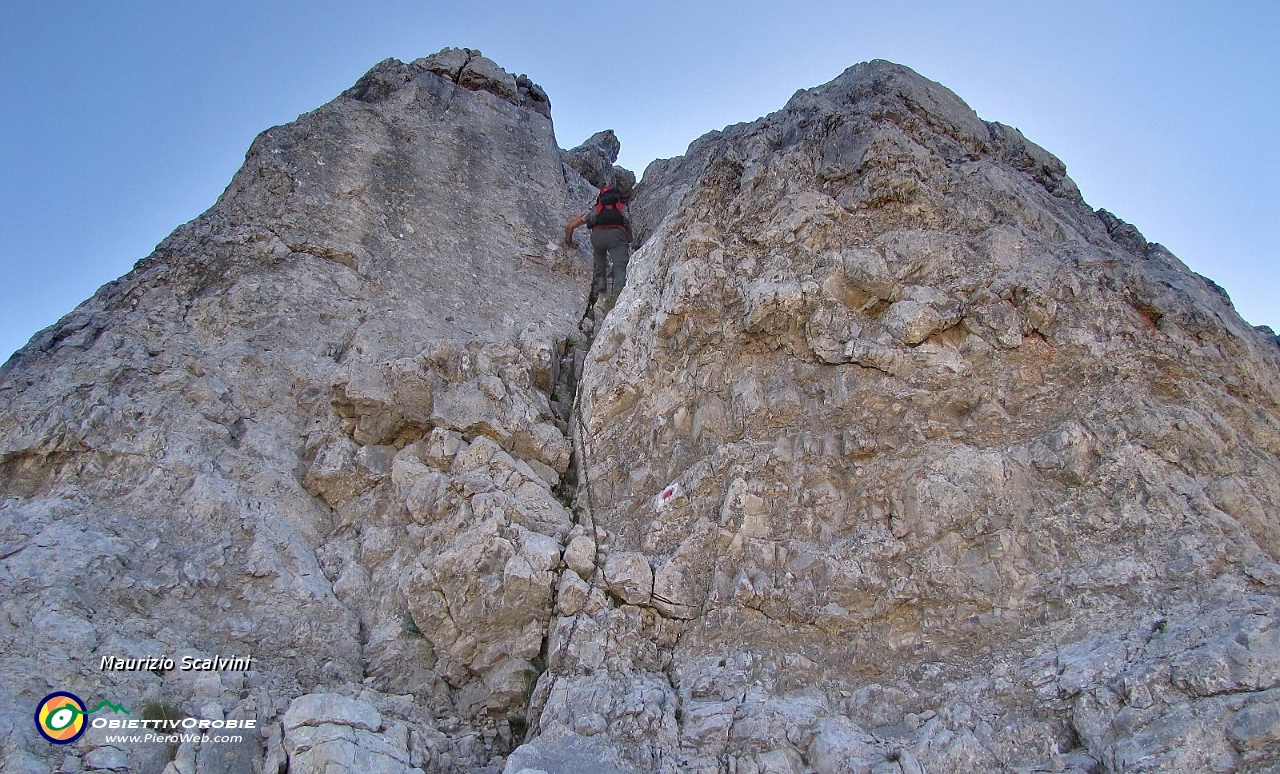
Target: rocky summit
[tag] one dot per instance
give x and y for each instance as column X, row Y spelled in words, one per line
column 892, row 457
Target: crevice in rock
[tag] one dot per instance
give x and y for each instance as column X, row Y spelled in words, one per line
column 457, row 77
column 573, row 489
column 572, row 356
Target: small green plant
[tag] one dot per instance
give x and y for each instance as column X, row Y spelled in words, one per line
column 158, row 710
column 409, row 627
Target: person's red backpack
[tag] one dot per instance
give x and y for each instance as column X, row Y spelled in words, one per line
column 609, row 209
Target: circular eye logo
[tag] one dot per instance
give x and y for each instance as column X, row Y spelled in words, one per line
column 60, row 717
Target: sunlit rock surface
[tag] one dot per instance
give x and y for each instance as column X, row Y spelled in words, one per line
column 894, row 456
column 974, row 477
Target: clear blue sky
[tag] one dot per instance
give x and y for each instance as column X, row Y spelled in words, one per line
column 122, row 119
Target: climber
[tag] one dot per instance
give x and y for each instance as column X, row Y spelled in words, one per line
column 610, row 226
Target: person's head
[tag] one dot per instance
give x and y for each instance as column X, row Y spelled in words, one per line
column 609, row 195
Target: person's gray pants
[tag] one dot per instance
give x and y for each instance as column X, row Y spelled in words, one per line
column 610, row 246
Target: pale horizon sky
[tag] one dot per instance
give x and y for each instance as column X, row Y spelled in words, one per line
column 122, row 119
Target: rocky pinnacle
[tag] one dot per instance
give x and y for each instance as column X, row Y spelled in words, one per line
column 894, row 456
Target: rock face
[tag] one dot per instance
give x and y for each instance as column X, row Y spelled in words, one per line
column 594, row 159
column 316, row 427
column 972, row 477
column 893, row 457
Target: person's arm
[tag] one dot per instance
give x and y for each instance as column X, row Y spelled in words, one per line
column 570, row 226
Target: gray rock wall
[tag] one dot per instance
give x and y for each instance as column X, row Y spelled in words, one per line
column 314, row 427
column 963, row 476
column 894, row 456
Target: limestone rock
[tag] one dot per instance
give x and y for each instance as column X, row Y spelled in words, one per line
column 594, row 160
column 893, row 456
column 319, row 709
column 935, row 418
column 629, row 576
column 328, row 732
column 107, row 759
column 246, row 444
column 580, row 555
